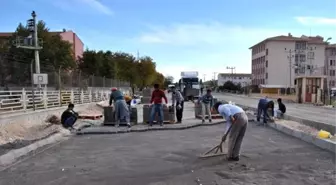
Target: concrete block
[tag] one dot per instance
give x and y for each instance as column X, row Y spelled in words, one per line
column 307, row 138
column 320, row 143
column 331, row 146
column 145, row 100
column 287, row 130
column 297, row 134
column 147, row 92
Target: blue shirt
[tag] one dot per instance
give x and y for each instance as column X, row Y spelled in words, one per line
column 228, row 110
column 264, row 105
column 207, row 99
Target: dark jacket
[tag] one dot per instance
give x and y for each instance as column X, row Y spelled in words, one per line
column 282, row 107
column 67, row 114
column 264, row 104
column 116, row 95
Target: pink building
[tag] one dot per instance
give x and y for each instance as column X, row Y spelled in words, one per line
column 77, row 44
column 70, row 36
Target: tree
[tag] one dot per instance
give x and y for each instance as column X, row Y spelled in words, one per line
column 55, row 54
column 159, row 79
column 146, row 70
column 168, row 80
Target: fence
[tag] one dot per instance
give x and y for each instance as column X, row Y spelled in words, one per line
column 16, row 74
column 14, row 101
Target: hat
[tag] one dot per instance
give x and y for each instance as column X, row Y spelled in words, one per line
column 114, row 89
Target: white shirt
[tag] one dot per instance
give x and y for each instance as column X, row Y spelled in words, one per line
column 228, row 110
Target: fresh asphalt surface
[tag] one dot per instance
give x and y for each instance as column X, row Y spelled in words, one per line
column 171, row 157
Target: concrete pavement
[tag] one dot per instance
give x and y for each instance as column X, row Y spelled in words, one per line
column 316, row 114
column 171, row 157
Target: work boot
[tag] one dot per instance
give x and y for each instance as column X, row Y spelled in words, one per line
column 233, row 158
column 129, row 125
column 203, row 120
column 210, row 120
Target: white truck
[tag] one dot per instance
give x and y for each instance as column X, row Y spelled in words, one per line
column 189, row 85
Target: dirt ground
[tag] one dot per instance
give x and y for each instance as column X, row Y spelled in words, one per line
column 171, row 158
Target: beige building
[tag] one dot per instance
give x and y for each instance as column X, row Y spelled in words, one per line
column 330, row 63
column 277, row 61
column 237, row 78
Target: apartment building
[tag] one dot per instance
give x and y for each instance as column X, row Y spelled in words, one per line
column 70, row 36
column 330, row 63
column 237, row 78
column 276, row 61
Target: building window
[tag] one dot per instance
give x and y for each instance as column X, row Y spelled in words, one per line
column 300, row 45
column 266, row 63
column 266, row 75
column 332, row 73
column 332, row 62
column 333, row 52
column 266, row 51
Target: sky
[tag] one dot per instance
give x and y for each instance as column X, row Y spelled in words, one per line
column 180, row 35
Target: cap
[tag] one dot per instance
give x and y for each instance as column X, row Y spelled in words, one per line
column 114, row 89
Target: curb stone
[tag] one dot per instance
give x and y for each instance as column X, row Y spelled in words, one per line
column 13, row 155
column 321, row 143
column 145, row 129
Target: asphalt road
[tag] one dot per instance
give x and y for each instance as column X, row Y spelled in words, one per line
column 171, row 157
column 317, row 114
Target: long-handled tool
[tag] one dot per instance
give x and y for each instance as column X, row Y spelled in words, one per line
column 217, row 148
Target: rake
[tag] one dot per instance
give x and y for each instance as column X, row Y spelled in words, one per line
column 217, row 150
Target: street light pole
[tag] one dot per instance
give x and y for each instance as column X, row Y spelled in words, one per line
column 36, row 44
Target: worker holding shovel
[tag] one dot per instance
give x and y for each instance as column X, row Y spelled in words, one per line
column 236, row 125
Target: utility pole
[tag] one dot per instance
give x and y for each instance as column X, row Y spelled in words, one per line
column 32, row 43
column 36, row 44
column 138, row 56
column 290, row 56
column 231, row 68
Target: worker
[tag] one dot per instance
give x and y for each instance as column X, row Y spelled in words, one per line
column 281, row 110
column 69, row 117
column 179, row 100
column 157, row 107
column 237, row 119
column 206, row 103
column 121, row 109
column 263, row 106
column 128, row 100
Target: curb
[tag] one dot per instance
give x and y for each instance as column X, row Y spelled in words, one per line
column 12, row 156
column 182, row 127
column 321, row 143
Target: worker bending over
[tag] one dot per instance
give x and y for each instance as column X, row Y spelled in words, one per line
column 69, row 117
column 263, row 106
column 236, row 117
column 121, row 110
column 179, row 100
column 206, row 102
column 157, row 106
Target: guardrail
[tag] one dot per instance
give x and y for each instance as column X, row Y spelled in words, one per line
column 15, row 101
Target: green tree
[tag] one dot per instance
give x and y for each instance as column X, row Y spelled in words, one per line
column 168, row 80
column 159, row 79
column 147, row 72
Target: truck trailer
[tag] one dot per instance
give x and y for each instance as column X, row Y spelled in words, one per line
column 189, row 85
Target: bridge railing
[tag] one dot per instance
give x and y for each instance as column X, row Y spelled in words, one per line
column 23, row 100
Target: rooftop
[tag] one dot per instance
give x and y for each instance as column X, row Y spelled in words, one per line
column 235, row 74
column 331, row 46
column 312, row 40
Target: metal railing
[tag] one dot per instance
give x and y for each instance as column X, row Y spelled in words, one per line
column 23, row 100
